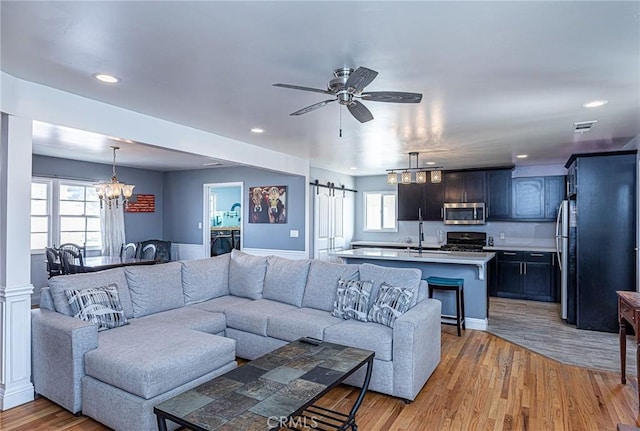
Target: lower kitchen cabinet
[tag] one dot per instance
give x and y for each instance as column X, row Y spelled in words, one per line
column 526, row 275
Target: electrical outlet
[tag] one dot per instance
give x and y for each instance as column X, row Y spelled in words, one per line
column 294, row 233
column 502, row 235
column 199, row 225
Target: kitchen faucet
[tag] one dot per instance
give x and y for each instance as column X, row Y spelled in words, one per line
column 420, row 231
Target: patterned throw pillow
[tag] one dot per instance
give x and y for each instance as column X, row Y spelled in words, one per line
column 352, row 299
column 391, row 303
column 100, row 305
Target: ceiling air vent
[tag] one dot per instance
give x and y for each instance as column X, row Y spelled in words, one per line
column 583, row 126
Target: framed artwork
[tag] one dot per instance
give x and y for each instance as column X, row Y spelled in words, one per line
column 141, row 204
column 268, row 204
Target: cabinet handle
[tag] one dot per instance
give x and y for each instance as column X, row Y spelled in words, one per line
column 520, row 265
column 508, row 253
column 442, row 213
column 525, row 268
column 536, row 255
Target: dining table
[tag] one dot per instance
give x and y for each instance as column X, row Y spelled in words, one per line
column 100, row 263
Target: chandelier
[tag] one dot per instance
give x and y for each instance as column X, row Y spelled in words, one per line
column 114, row 192
column 407, row 174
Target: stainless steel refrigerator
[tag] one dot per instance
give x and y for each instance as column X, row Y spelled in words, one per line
column 562, row 252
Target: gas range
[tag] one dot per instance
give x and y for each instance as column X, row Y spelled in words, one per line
column 465, row 241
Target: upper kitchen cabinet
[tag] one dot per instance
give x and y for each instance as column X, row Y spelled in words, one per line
column 499, row 194
column 426, row 197
column 537, row 198
column 411, row 199
column 464, row 186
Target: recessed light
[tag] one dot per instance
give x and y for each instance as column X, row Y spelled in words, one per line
column 108, row 79
column 595, row 103
column 431, row 163
column 257, row 130
column 353, row 168
column 522, row 156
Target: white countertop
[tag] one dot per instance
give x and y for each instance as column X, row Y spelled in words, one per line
column 538, row 246
column 431, row 256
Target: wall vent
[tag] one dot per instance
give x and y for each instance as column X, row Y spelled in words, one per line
column 583, row 126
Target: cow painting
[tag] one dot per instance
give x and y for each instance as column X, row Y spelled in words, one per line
column 268, row 204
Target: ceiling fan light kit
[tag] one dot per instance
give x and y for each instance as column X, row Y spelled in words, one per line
column 407, row 173
column 347, row 86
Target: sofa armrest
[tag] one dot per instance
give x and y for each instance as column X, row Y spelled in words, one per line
column 416, row 347
column 59, row 343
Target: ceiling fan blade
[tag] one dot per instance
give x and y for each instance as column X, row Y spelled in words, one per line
column 360, row 78
column 312, row 107
column 360, row 111
column 297, row 87
column 392, row 96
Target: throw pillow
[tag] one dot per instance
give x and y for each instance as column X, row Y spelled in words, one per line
column 390, row 303
column 99, row 305
column 352, row 299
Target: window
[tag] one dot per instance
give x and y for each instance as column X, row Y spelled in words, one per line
column 40, row 214
column 380, row 211
column 64, row 211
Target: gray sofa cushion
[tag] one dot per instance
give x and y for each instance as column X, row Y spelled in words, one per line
column 401, row 277
column 285, row 280
column 222, row 304
column 204, row 279
column 147, row 362
column 155, row 288
column 253, row 317
column 57, row 286
column 246, row 274
column 322, row 283
column 370, row 336
column 301, row 322
column 186, row 318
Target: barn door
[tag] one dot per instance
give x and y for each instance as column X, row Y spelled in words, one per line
column 329, row 224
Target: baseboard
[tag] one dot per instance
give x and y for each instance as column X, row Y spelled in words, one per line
column 17, row 397
column 288, row 254
column 475, row 323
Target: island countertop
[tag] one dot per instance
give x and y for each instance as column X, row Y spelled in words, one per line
column 432, row 256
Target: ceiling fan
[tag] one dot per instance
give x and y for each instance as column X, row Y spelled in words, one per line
column 348, row 85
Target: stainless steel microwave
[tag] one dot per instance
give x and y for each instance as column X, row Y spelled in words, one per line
column 464, row 213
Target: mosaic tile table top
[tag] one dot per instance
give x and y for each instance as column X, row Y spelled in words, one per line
column 261, row 394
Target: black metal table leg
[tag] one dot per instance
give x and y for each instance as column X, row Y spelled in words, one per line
column 162, row 423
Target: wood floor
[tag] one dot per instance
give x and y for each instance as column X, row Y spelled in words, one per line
column 537, row 325
column 482, row 383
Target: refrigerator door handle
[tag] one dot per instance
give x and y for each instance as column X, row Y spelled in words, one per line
column 559, row 234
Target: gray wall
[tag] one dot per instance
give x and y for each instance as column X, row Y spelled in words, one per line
column 138, row 226
column 184, row 199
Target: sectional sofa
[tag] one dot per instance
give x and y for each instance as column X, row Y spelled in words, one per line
column 186, row 322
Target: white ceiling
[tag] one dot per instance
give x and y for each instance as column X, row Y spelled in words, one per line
column 498, row 78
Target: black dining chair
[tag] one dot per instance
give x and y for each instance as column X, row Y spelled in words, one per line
column 148, row 252
column 73, row 247
column 128, row 251
column 54, row 266
column 72, row 262
column 163, row 249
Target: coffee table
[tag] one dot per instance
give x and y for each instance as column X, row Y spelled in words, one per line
column 277, row 390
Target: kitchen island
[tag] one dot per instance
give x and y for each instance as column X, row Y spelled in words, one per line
column 472, row 267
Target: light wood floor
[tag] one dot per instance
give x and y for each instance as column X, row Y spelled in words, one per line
column 538, row 326
column 482, row 383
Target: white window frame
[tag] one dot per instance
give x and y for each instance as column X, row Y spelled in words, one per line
column 382, row 194
column 53, row 197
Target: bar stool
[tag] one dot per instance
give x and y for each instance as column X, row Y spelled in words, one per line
column 451, row 284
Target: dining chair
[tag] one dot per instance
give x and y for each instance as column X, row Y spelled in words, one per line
column 54, row 266
column 73, row 247
column 128, row 251
column 72, row 262
column 163, row 249
column 148, row 252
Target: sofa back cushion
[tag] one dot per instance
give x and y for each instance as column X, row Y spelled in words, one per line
column 322, row 283
column 408, row 278
column 246, row 274
column 155, row 288
column 205, row 279
column 89, row 280
column 285, row 280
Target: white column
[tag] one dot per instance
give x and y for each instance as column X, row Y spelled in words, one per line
column 15, row 262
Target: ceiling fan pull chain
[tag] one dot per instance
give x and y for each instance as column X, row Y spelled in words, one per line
column 340, row 114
